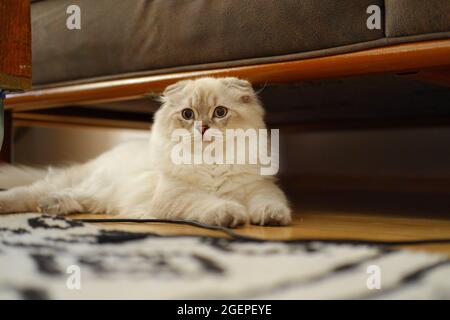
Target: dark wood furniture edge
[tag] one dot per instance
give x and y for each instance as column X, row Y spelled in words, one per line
column 15, row 48
column 6, row 148
column 28, row 119
column 14, row 83
column 15, row 59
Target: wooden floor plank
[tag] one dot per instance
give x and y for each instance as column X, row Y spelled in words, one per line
column 315, row 224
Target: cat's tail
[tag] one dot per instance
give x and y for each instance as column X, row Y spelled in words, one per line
column 17, row 175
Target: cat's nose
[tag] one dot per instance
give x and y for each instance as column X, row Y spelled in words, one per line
column 204, row 128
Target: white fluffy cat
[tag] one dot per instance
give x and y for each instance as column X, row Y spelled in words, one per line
column 138, row 179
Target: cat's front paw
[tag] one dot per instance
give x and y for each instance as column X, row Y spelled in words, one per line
column 226, row 214
column 270, row 214
column 8, row 205
column 58, row 204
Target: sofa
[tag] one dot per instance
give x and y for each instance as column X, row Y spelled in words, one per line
column 126, row 52
column 129, row 38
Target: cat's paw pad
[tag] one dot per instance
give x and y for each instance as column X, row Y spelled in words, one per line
column 270, row 214
column 228, row 214
column 58, row 204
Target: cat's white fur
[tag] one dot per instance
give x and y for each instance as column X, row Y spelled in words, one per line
column 138, row 179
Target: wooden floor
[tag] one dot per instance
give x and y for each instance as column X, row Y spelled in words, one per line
column 324, row 224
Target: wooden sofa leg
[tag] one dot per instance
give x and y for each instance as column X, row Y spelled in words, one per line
column 6, row 150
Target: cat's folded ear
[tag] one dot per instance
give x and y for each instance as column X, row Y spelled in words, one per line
column 237, row 83
column 245, row 88
column 173, row 90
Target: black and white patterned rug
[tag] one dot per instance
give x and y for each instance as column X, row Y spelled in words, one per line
column 44, row 257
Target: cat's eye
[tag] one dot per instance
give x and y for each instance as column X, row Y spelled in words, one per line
column 187, row 114
column 220, row 112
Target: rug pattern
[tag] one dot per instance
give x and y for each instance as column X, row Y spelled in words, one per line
column 38, row 254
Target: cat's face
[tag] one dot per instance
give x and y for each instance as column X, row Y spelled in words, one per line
column 219, row 103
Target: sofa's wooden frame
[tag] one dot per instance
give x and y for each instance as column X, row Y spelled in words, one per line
column 427, row 61
column 15, row 60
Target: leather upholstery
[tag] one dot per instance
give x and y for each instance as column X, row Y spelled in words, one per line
column 119, row 37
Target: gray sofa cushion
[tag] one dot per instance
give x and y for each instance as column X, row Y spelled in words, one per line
column 415, row 17
column 119, row 37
